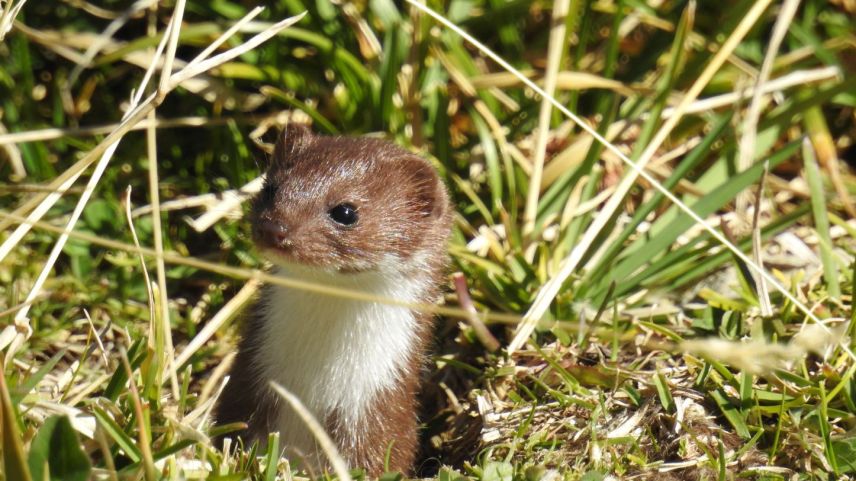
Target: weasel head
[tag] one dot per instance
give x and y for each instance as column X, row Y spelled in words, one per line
column 348, row 204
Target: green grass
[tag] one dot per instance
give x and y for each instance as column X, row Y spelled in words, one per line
column 653, row 360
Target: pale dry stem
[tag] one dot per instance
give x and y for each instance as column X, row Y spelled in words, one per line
column 157, row 232
column 793, row 79
column 757, row 251
column 106, row 36
column 554, row 59
column 746, row 152
column 324, row 440
column 227, row 312
column 60, row 132
column 7, row 16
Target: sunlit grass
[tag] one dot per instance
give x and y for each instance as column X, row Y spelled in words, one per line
column 648, row 354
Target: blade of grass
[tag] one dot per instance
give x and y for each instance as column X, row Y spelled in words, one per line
column 246, row 274
column 14, row 463
column 731, row 413
column 821, row 219
column 327, row 445
column 109, row 426
column 555, row 51
column 144, row 429
column 746, row 152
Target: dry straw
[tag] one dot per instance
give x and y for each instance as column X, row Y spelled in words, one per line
column 7, row 16
column 554, row 59
column 340, row 467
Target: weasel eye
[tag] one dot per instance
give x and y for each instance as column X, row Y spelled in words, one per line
column 345, row 214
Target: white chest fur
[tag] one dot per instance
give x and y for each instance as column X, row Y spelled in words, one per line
column 336, row 354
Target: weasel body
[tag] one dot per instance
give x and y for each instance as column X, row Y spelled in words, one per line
column 353, row 213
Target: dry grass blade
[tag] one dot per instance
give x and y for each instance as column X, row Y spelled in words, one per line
column 97, row 336
column 41, row 208
column 106, row 36
column 149, row 290
column 58, row 133
column 204, row 54
column 9, row 311
column 554, row 59
column 227, row 312
column 140, row 253
column 565, row 80
column 482, row 333
column 145, row 436
column 157, row 230
column 746, row 153
column 203, row 66
column 7, row 16
column 13, row 156
column 172, row 45
column 793, row 79
column 327, row 445
column 231, row 200
column 207, row 201
column 757, row 252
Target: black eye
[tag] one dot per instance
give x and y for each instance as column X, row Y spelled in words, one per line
column 345, row 214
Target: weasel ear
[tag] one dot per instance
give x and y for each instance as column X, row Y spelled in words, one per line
column 430, row 197
column 293, row 138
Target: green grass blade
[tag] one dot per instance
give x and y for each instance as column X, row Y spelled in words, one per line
column 117, row 434
column 56, row 447
column 731, row 413
column 821, row 220
column 15, row 466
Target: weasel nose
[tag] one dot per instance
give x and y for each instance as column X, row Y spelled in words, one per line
column 273, row 233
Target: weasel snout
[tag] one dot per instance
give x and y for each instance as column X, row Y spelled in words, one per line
column 270, row 233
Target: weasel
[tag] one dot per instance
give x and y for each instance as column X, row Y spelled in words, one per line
column 358, row 213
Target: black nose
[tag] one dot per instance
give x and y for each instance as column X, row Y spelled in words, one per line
column 272, row 233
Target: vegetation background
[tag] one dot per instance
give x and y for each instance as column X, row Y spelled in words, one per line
column 594, row 331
